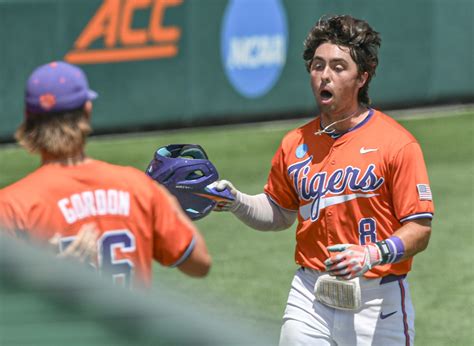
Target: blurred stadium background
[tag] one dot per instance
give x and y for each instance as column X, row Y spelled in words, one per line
column 175, row 67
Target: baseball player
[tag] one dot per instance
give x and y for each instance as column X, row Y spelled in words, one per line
column 357, row 183
column 85, row 206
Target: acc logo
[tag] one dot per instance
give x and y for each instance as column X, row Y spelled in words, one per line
column 113, row 24
column 253, row 45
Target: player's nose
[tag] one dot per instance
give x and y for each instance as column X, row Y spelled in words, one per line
column 325, row 75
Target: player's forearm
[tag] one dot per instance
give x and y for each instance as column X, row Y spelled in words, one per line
column 415, row 236
column 199, row 261
column 354, row 260
column 260, row 213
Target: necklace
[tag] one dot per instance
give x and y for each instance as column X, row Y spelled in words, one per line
column 329, row 132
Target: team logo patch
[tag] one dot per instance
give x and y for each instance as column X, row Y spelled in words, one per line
column 301, row 150
column 47, row 101
column 424, row 192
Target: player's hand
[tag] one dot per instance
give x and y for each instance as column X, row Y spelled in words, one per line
column 84, row 246
column 225, row 205
column 352, row 260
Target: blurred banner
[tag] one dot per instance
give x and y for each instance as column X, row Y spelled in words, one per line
column 159, row 63
column 45, row 301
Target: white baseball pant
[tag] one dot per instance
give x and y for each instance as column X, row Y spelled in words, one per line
column 386, row 316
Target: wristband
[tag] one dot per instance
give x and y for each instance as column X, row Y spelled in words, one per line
column 391, row 249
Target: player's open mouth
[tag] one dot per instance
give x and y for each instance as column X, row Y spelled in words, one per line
column 326, row 96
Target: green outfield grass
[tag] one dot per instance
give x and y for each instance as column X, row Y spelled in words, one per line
column 252, row 270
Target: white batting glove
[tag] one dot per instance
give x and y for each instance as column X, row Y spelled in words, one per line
column 352, row 260
column 226, row 205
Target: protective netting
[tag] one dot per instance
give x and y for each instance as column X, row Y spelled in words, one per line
column 46, row 301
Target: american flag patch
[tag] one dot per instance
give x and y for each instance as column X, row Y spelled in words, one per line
column 424, row 192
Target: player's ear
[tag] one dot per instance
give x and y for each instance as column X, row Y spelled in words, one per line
column 363, row 78
column 88, row 109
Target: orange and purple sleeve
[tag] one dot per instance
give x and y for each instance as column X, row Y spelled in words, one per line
column 279, row 187
column 10, row 216
column 411, row 191
column 174, row 233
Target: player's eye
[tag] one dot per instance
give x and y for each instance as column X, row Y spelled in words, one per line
column 339, row 68
column 318, row 66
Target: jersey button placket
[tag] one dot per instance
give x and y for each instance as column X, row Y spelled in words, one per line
column 330, row 226
column 333, row 153
column 329, row 215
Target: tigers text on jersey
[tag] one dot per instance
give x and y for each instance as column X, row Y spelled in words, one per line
column 139, row 220
column 358, row 188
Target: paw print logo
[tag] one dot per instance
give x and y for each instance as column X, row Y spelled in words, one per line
column 47, row 101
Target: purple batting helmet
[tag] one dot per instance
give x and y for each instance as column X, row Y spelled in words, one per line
column 185, row 170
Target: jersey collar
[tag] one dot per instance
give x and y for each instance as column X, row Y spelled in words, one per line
column 362, row 123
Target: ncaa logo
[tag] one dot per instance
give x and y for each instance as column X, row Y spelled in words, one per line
column 301, row 151
column 253, row 45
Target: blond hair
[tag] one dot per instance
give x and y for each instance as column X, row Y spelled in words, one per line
column 58, row 134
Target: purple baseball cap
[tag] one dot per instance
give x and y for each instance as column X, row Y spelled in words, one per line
column 57, row 87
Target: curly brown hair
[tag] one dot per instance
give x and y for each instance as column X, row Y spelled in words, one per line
column 363, row 43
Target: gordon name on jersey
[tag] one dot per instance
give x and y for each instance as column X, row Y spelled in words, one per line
column 84, row 204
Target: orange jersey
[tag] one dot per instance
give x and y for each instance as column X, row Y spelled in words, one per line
column 356, row 189
column 139, row 220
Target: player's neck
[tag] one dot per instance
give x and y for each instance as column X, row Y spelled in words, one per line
column 72, row 160
column 344, row 120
